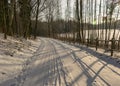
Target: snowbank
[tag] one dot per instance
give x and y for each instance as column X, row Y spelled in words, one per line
column 14, row 52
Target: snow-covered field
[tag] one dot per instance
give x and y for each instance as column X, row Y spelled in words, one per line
column 94, row 34
column 49, row 62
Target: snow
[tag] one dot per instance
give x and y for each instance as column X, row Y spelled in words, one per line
column 13, row 54
column 50, row 62
column 94, row 34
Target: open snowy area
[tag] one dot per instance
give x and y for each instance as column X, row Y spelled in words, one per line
column 59, row 42
column 49, row 62
column 101, row 32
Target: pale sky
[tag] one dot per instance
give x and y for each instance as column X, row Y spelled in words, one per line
column 63, row 2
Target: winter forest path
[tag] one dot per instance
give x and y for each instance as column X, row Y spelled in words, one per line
column 58, row 64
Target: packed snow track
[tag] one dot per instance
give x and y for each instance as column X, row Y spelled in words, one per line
column 58, row 64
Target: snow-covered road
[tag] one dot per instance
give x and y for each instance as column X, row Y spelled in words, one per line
column 58, row 64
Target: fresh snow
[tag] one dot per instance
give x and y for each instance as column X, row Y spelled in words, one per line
column 49, row 62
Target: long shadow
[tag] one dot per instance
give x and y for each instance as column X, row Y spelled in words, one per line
column 86, row 68
column 42, row 74
column 111, row 69
column 91, row 79
column 45, row 67
column 102, row 56
column 12, row 81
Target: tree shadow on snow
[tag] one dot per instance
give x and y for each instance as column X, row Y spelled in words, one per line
column 101, row 57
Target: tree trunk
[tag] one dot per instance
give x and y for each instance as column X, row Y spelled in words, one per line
column 36, row 20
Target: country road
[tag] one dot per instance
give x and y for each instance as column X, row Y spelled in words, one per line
column 58, row 64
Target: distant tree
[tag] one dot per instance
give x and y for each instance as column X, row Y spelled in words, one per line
column 25, row 17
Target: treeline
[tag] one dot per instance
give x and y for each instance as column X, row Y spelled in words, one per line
column 97, row 23
column 83, row 22
column 60, row 27
column 16, row 16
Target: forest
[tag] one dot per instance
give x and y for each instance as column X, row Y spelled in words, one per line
column 90, row 22
column 59, row 42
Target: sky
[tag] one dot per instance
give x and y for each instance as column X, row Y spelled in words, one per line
column 72, row 2
column 64, row 5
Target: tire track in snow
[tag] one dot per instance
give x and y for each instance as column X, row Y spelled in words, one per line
column 22, row 76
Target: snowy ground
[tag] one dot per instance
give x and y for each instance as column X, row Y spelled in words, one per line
column 48, row 62
column 13, row 55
